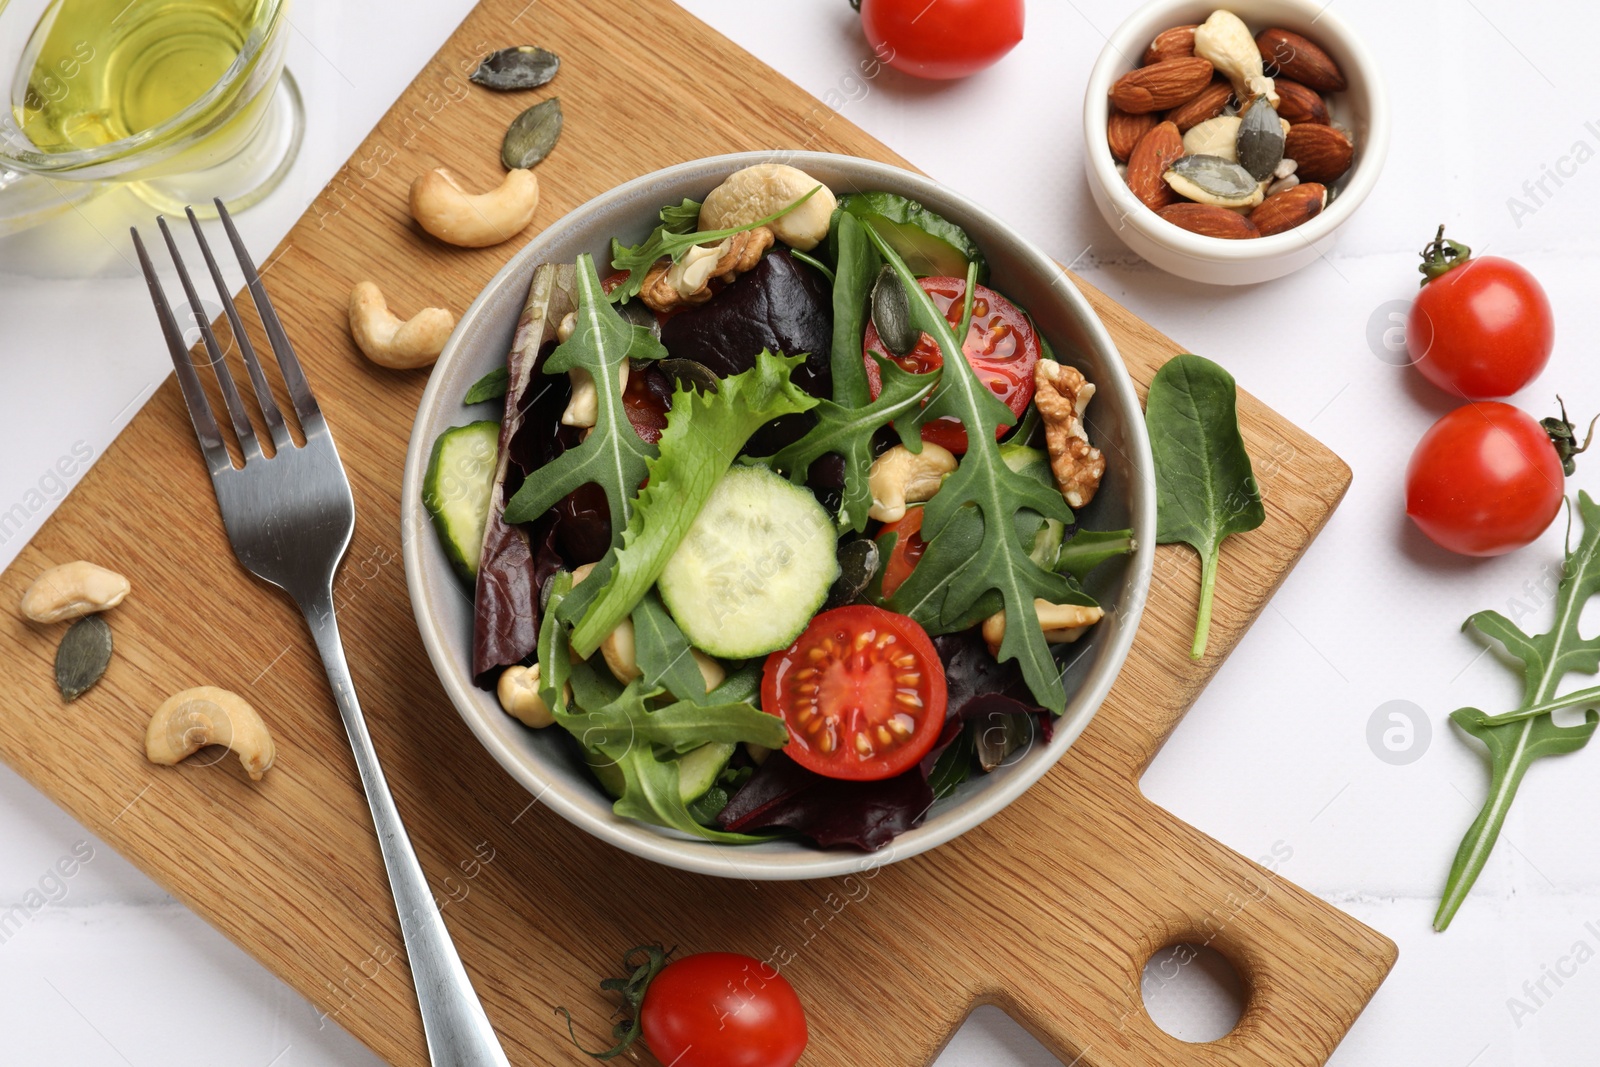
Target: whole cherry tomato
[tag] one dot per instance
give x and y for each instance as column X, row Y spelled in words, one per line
column 721, row 1009
column 1486, row 479
column 1481, row 328
column 943, row 39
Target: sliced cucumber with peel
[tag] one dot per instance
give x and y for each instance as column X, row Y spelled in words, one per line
column 931, row 244
column 697, row 770
column 754, row 567
column 456, row 491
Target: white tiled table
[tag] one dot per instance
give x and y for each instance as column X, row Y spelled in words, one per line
column 1275, row 754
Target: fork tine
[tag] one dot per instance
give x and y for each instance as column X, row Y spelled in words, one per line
column 269, row 404
column 305, row 403
column 194, row 395
column 219, row 363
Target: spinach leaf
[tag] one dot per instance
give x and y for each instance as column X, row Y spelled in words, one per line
column 703, row 437
column 663, row 652
column 986, row 489
column 848, row 429
column 491, row 385
column 638, row 260
column 1205, row 488
column 1087, row 549
column 1519, row 739
column 613, row 456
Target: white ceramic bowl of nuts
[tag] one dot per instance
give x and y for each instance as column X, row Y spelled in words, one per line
column 1229, row 144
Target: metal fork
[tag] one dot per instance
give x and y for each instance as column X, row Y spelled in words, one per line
column 289, row 519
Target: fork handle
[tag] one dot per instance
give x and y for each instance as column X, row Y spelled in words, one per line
column 458, row 1031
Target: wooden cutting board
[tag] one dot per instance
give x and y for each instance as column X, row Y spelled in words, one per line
column 1049, row 910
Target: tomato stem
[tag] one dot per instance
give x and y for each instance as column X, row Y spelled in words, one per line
column 1440, row 256
column 645, row 962
column 1564, row 436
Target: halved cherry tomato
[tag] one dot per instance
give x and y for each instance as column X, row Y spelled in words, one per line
column 1000, row 345
column 907, row 550
column 862, row 691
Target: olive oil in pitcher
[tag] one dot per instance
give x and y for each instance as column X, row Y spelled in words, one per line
column 104, row 70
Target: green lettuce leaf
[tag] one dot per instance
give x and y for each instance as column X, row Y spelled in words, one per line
column 703, row 437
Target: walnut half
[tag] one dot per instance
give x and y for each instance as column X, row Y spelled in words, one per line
column 671, row 285
column 1062, row 393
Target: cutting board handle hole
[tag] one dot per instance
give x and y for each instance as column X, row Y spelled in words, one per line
column 1193, row 992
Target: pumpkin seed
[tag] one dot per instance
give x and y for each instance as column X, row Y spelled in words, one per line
column 891, row 314
column 532, row 135
column 858, row 562
column 523, row 67
column 1260, row 146
column 687, row 371
column 635, row 312
column 82, row 659
column 997, row 735
column 1212, row 180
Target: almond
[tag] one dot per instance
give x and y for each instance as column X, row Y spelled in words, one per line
column 1321, row 153
column 1206, row 104
column 1176, row 43
column 1210, row 221
column 1149, row 161
column 1288, row 209
column 1292, row 56
column 1296, row 103
column 1124, row 130
column 1160, row 85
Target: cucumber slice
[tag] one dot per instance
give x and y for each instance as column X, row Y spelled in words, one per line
column 930, row 244
column 697, row 770
column 457, row 488
column 754, row 567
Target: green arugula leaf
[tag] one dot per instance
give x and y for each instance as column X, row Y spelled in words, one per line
column 848, row 430
column 613, row 456
column 858, row 264
column 650, row 794
column 663, row 652
column 1089, row 548
column 703, row 437
column 1546, row 660
column 1205, row 488
column 553, row 650
column 638, row 260
column 488, row 387
column 679, row 727
column 681, row 218
column 983, row 488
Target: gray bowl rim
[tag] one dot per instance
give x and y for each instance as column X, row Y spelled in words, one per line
column 732, row 861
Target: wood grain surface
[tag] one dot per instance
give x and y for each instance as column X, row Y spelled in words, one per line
column 1049, row 910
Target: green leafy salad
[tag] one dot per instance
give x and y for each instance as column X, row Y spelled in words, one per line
column 778, row 525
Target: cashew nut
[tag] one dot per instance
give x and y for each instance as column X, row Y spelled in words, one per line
column 710, row 669
column 566, row 327
column 72, row 590
column 191, row 720
column 390, row 342
column 617, row 649
column 1225, row 40
column 474, row 220
column 584, row 407
column 518, row 690
column 1061, row 623
column 900, row 477
column 754, row 193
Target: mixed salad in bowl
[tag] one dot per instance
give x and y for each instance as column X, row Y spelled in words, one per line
column 779, row 527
